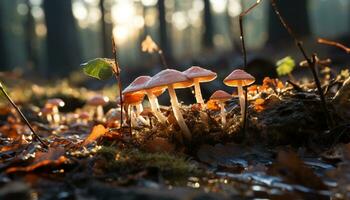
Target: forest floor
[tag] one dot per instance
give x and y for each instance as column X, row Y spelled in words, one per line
column 288, row 150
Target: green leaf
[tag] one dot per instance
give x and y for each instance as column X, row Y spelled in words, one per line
column 285, row 66
column 100, row 68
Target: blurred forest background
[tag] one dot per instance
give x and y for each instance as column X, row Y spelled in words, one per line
column 50, row 38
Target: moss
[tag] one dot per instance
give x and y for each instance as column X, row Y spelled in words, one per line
column 132, row 160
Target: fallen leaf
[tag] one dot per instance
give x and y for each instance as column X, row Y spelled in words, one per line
column 97, row 131
column 293, row 170
column 53, row 157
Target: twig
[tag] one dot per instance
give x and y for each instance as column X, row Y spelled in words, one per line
column 245, row 59
column 312, row 64
column 295, row 86
column 333, row 43
column 116, row 72
column 36, row 136
column 162, row 58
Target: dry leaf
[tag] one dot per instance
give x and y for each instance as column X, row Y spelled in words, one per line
column 293, row 170
column 97, row 131
column 148, row 45
column 212, row 105
column 54, row 157
column 259, row 104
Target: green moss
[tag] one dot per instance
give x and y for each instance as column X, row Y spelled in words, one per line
column 124, row 161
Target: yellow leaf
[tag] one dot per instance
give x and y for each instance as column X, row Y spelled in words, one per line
column 97, row 131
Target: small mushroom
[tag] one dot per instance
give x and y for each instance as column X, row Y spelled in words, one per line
column 172, row 79
column 47, row 112
column 199, row 75
column 98, row 101
column 220, row 97
column 239, row 78
column 134, row 100
column 83, row 117
column 54, row 104
column 113, row 117
column 138, row 87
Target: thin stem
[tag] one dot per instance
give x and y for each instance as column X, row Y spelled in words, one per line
column 22, row 116
column 329, row 118
column 312, row 63
column 116, row 71
column 333, row 43
column 162, row 59
column 244, row 13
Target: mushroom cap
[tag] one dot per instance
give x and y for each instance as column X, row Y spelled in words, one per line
column 98, row 100
column 137, row 85
column 199, row 73
column 113, row 114
column 220, row 95
column 45, row 111
column 239, row 77
column 168, row 77
column 132, row 98
column 55, row 102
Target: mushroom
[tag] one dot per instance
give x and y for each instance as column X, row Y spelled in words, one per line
column 199, row 75
column 46, row 112
column 134, row 100
column 83, row 117
column 172, row 79
column 98, row 101
column 54, row 104
column 220, row 97
column 138, row 87
column 239, row 78
column 113, row 117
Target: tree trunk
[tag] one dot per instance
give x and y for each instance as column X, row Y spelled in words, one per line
column 208, row 26
column 163, row 32
column 106, row 30
column 3, row 61
column 296, row 15
column 62, row 38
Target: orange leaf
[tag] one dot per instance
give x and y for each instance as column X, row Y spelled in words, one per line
column 258, row 104
column 96, row 132
column 212, row 105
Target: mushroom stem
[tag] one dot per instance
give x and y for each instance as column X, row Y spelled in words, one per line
column 222, row 113
column 197, row 91
column 56, row 115
column 153, row 101
column 241, row 98
column 132, row 116
column 99, row 112
column 139, row 109
column 177, row 112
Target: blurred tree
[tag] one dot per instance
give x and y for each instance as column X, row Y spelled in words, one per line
column 30, row 38
column 208, row 26
column 106, row 30
column 296, row 15
column 163, row 32
column 62, row 39
column 3, row 63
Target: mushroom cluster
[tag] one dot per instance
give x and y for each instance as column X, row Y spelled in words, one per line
column 171, row 79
